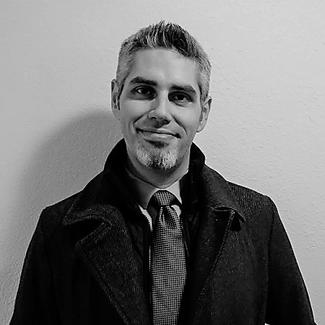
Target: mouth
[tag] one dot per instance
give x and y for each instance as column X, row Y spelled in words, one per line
column 159, row 134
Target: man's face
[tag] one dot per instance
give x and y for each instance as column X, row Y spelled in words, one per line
column 160, row 109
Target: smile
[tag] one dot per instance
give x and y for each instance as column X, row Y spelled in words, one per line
column 156, row 134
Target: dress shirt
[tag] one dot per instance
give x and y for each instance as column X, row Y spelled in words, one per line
column 145, row 190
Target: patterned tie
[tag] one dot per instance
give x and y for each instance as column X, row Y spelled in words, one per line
column 168, row 265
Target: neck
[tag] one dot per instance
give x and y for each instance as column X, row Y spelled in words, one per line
column 157, row 177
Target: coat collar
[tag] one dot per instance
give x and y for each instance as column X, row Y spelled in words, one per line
column 215, row 192
column 106, row 191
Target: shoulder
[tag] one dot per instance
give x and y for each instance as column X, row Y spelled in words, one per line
column 258, row 211
column 51, row 217
column 250, row 198
column 240, row 192
column 255, row 206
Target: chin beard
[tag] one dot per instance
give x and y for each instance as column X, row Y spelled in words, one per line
column 157, row 158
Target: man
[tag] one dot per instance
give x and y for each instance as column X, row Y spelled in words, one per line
column 158, row 237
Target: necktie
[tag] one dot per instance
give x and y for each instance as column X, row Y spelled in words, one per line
column 168, row 265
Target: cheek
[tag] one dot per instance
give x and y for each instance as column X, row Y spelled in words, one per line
column 189, row 121
column 133, row 110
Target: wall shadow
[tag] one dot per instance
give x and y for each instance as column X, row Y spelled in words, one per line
column 62, row 165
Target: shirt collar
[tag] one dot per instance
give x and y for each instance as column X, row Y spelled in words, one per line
column 144, row 190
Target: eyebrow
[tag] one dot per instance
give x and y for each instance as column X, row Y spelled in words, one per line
column 141, row 80
column 186, row 88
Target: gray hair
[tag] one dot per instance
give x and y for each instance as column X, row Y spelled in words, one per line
column 169, row 36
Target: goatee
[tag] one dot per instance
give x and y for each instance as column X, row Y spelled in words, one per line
column 157, row 157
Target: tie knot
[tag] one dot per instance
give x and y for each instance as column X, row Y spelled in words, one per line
column 163, row 198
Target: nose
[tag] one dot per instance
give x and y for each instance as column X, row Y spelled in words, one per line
column 160, row 111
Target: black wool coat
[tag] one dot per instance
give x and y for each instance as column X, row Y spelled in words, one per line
column 80, row 266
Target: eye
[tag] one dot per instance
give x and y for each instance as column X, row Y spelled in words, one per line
column 180, row 98
column 143, row 92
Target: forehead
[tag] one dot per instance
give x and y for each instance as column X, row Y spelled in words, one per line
column 165, row 67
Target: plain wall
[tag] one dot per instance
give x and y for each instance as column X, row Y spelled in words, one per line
column 266, row 128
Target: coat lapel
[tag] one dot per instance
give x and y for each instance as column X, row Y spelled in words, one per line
column 103, row 242
column 107, row 251
column 211, row 239
column 219, row 216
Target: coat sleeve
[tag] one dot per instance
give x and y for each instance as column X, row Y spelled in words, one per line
column 35, row 303
column 288, row 301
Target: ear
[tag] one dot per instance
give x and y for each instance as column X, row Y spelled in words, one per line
column 205, row 110
column 115, row 99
